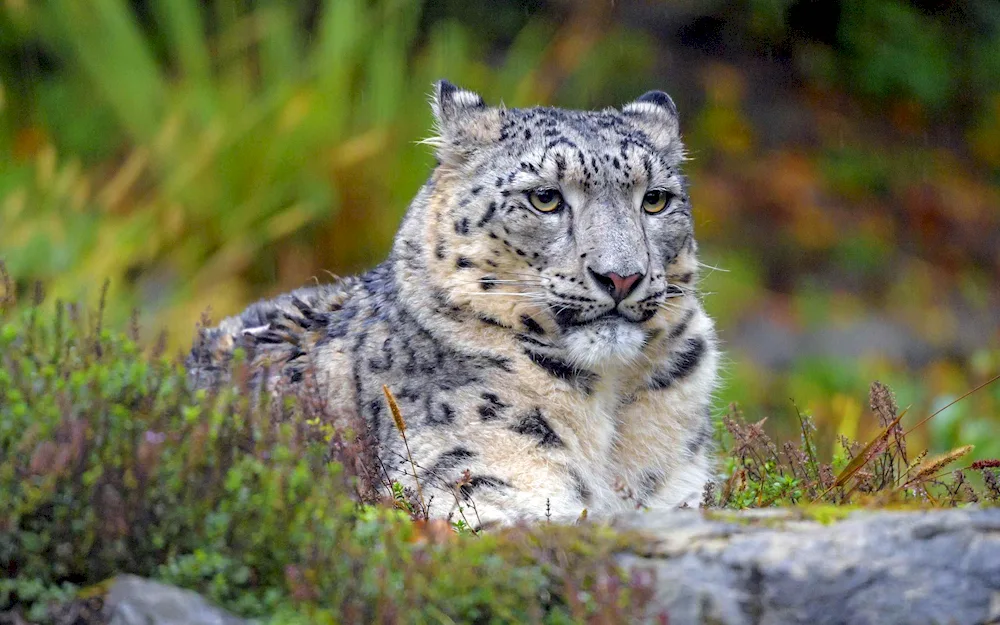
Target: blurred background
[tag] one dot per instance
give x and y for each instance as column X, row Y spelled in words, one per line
column 845, row 165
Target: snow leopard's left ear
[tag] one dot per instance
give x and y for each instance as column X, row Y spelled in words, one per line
column 656, row 114
column 463, row 122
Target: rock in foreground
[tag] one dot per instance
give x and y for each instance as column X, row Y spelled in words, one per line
column 770, row 567
column 137, row 601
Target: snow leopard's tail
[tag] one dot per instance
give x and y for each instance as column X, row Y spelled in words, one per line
column 270, row 332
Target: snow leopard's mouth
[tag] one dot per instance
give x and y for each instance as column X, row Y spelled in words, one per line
column 612, row 316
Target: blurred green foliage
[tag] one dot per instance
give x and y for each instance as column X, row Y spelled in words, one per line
column 192, row 152
column 938, row 54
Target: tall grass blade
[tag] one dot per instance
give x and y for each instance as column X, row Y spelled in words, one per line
column 184, row 31
column 112, row 51
column 866, row 454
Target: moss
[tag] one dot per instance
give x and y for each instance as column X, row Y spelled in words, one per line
column 749, row 519
column 109, row 464
column 826, row 514
column 729, row 516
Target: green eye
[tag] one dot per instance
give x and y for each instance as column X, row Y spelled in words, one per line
column 655, row 201
column 545, row 200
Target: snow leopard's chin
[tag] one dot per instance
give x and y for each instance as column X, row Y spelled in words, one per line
column 607, row 342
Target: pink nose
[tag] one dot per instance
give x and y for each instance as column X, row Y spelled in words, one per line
column 617, row 286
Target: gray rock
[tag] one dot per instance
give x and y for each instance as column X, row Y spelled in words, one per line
column 137, row 601
column 768, row 567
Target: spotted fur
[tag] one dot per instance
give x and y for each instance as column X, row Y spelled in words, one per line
column 526, row 387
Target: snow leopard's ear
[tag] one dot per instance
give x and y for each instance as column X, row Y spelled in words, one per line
column 463, row 122
column 656, row 114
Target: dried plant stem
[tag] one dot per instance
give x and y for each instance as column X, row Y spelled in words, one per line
column 397, row 416
column 918, row 461
column 475, row 530
column 952, row 403
column 807, row 440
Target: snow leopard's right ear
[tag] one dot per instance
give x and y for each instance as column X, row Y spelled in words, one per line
column 450, row 103
column 463, row 122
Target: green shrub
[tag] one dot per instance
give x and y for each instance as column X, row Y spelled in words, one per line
column 109, row 464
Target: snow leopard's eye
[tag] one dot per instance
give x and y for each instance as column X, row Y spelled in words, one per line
column 655, row 201
column 546, row 200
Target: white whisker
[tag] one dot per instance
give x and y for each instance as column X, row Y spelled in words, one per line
column 687, row 290
column 712, row 267
column 538, row 296
column 519, row 273
column 669, row 306
column 501, row 285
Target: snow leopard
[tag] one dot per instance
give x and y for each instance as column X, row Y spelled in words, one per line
column 538, row 321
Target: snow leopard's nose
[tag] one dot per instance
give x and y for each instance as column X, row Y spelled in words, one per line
column 619, row 287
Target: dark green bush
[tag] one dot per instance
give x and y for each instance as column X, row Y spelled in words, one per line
column 109, row 464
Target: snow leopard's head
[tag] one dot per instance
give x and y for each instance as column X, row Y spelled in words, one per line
column 572, row 226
